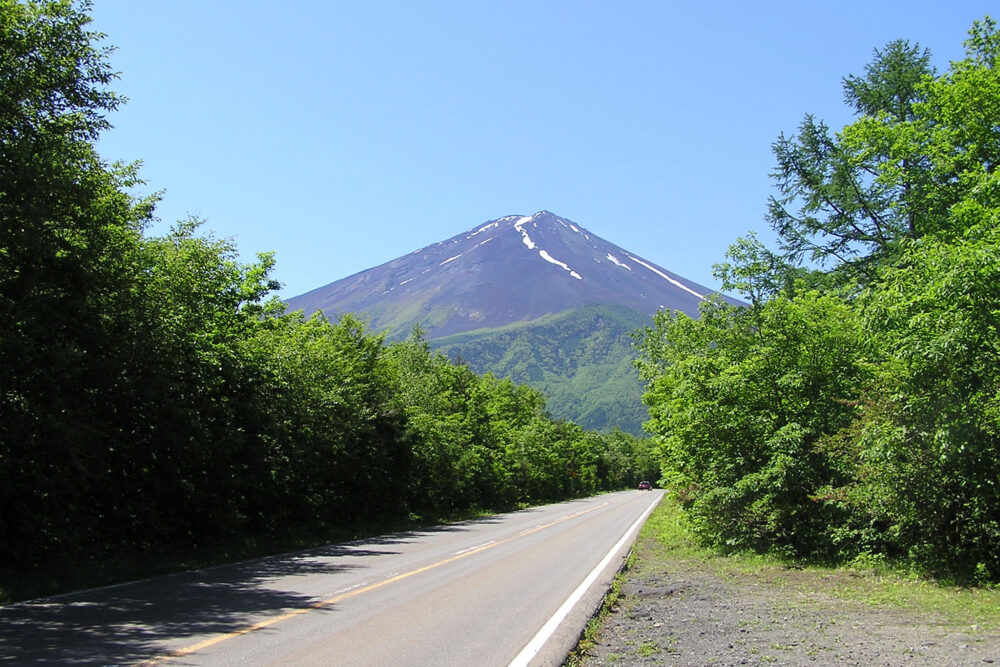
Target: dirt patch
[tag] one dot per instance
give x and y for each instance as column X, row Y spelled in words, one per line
column 684, row 613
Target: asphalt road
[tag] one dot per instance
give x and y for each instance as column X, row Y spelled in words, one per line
column 511, row 589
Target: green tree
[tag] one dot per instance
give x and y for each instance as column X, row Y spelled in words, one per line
column 835, row 205
column 854, row 410
column 336, row 442
column 68, row 238
column 936, row 315
column 186, row 387
column 739, row 401
column 930, row 419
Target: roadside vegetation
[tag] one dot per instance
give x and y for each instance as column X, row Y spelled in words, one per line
column 160, row 409
column 850, row 414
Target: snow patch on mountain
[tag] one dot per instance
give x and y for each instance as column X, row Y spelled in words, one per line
column 450, row 259
column 614, row 260
column 548, row 258
column 483, row 229
column 667, row 278
column 524, row 235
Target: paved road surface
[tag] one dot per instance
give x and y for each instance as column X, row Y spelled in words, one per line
column 512, row 589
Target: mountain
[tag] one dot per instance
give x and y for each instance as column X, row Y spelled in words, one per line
column 513, row 269
column 535, row 298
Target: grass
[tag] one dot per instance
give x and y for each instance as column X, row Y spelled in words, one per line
column 648, row 649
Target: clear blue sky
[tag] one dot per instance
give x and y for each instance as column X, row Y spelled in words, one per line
column 342, row 135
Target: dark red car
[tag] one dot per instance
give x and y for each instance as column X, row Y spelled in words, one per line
column 645, row 486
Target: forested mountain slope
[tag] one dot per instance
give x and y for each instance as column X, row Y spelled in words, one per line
column 580, row 359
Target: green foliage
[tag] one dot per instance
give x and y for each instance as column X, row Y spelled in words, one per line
column 936, row 314
column 54, row 75
column 846, row 200
column 739, row 399
column 492, row 442
column 852, row 413
column 581, row 360
column 69, row 238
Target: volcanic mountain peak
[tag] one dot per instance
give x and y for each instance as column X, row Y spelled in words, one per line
column 512, row 269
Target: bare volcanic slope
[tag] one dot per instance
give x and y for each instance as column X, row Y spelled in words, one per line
column 509, row 270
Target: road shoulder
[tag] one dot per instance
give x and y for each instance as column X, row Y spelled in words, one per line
column 679, row 610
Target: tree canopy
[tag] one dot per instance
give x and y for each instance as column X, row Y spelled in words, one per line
column 850, row 412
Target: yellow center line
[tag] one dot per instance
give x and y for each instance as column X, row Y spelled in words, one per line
column 354, row 592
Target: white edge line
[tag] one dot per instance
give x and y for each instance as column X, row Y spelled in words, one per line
column 478, row 546
column 535, row 645
column 350, row 588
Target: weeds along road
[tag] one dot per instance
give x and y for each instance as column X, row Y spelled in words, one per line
column 510, row 589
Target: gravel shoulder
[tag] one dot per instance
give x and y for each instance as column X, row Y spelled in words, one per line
column 701, row 611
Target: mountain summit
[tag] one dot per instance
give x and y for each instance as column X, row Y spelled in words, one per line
column 509, row 270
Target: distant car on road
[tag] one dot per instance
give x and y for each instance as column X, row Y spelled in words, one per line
column 645, row 486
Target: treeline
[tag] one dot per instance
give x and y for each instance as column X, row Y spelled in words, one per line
column 580, row 359
column 154, row 392
column 852, row 411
